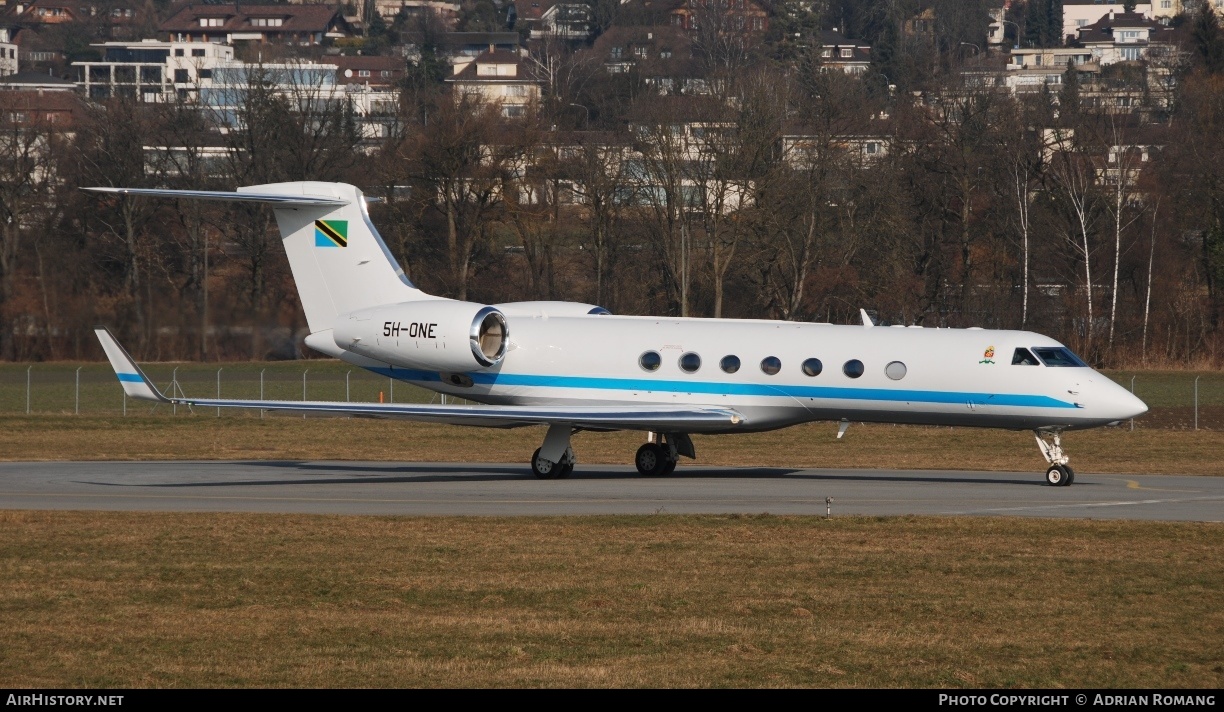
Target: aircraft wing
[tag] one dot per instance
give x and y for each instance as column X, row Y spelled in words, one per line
column 644, row 417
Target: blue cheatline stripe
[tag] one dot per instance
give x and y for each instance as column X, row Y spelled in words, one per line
column 130, row 377
column 738, row 389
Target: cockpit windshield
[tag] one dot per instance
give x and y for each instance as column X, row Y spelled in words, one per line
column 1058, row 356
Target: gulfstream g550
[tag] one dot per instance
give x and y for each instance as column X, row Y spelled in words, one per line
column 572, row 366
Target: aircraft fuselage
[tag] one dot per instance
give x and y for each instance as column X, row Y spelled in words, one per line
column 961, row 377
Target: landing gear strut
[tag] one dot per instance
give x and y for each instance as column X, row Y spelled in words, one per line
column 1060, row 473
column 554, row 460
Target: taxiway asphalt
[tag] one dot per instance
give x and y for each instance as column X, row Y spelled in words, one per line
column 431, row 489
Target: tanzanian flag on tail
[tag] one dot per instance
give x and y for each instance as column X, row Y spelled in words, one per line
column 331, row 233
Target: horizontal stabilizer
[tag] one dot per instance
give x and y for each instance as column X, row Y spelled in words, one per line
column 289, row 201
column 134, row 382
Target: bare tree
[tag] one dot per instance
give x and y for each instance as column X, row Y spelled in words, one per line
column 663, row 145
column 110, row 152
column 564, row 73
column 458, row 164
column 730, row 158
column 182, row 154
column 30, row 147
column 1072, row 172
column 1122, row 165
column 596, row 163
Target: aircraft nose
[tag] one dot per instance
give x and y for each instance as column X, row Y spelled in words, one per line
column 1122, row 404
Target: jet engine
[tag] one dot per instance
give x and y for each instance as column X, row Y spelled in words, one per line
column 432, row 335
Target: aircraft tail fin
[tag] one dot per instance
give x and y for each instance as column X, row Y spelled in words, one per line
column 135, row 383
column 339, row 261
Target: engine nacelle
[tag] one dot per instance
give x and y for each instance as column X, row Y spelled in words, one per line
column 432, row 335
column 544, row 309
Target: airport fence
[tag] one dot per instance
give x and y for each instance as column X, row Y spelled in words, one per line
column 1182, row 400
column 93, row 389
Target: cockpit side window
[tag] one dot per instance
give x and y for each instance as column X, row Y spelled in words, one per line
column 1058, row 356
column 1023, row 357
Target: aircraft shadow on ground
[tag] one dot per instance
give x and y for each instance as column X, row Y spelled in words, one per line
column 463, row 472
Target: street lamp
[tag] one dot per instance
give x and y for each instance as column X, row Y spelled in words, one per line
column 888, row 83
column 588, row 112
column 976, row 50
column 1009, row 22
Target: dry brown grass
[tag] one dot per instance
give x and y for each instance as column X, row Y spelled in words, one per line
column 878, row 446
column 235, row 600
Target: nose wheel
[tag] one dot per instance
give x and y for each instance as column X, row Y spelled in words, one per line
column 1059, row 473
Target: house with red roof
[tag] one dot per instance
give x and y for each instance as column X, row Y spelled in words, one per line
column 303, row 25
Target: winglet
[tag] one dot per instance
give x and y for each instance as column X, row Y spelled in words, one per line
column 867, row 322
column 134, row 382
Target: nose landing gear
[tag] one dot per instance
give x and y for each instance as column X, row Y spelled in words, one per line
column 1060, row 473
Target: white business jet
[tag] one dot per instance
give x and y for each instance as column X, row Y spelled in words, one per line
column 572, row 366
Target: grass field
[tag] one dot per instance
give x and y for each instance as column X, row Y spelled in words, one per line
column 206, row 437
column 228, row 600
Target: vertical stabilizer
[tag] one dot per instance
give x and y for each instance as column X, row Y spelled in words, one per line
column 339, row 261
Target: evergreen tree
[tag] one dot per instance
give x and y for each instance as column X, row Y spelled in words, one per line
column 884, row 55
column 1035, row 23
column 1069, row 96
column 1054, row 23
column 1208, row 39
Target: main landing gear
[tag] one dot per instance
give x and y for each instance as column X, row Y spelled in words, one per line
column 1059, row 473
column 554, row 460
column 658, row 457
column 549, row 470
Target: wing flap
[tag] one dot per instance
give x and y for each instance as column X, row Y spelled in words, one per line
column 501, row 416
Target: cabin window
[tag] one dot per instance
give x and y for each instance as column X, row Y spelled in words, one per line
column 729, row 364
column 770, row 365
column 853, row 368
column 650, row 361
column 690, row 362
column 813, row 367
column 895, row 370
column 1023, row 357
column 1059, row 356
